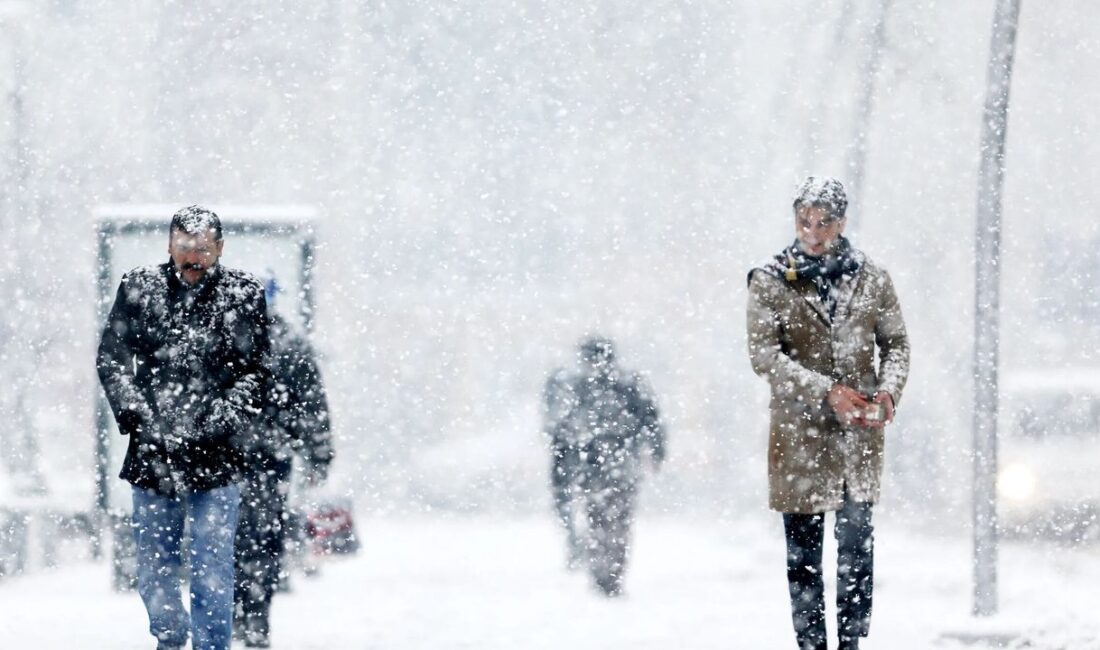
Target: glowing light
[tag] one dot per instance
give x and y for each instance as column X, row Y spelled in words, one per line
column 1016, row 482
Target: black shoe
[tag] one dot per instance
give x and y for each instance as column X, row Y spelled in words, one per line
column 849, row 643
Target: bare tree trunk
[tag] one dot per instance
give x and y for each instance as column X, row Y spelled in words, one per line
column 824, row 93
column 16, row 344
column 857, row 154
column 987, row 299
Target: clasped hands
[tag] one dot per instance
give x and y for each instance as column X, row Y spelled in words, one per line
column 851, row 406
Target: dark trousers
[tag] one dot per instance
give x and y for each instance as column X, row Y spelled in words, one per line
column 261, row 532
column 855, row 573
column 566, row 491
column 610, row 512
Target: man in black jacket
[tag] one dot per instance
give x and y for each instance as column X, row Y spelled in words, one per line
column 181, row 362
column 294, row 421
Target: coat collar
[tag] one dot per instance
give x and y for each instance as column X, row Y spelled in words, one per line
column 844, row 292
column 847, row 287
column 806, row 289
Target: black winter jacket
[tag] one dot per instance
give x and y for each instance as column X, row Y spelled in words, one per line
column 295, row 417
column 182, row 367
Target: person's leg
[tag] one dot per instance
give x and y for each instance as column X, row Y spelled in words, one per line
column 278, row 511
column 563, row 505
column 619, row 514
column 247, row 556
column 213, row 520
column 564, row 489
column 805, row 535
column 855, row 571
column 597, row 547
column 158, row 528
column 265, row 555
column 609, row 507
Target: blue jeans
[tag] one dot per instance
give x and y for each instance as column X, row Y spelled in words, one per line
column 158, row 529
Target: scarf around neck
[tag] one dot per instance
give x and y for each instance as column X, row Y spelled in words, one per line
column 825, row 271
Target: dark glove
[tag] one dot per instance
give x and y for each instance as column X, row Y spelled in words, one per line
column 222, row 421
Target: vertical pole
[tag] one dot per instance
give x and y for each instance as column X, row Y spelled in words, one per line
column 17, row 457
column 104, row 234
column 857, row 154
column 987, row 304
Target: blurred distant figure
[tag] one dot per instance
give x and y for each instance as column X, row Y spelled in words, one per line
column 817, row 314
column 294, row 421
column 600, row 419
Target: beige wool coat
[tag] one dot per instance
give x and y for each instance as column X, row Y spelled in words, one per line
column 812, row 457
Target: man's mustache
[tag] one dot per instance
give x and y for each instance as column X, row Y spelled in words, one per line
column 192, row 267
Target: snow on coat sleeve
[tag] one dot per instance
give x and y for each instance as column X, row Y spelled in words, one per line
column 893, row 343
column 115, row 363
column 309, row 412
column 243, row 398
column 789, row 379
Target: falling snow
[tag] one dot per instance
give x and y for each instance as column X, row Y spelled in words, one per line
column 451, row 195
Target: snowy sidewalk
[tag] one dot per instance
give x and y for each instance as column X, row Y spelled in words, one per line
column 486, row 584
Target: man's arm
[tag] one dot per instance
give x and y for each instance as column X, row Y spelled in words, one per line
column 893, row 344
column 561, row 424
column 115, row 365
column 244, row 399
column 561, row 458
column 645, row 407
column 312, row 424
column 788, row 378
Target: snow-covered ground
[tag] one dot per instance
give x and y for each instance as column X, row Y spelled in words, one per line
column 490, row 583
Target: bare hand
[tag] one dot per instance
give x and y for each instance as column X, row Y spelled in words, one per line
column 884, row 398
column 848, row 403
column 878, row 420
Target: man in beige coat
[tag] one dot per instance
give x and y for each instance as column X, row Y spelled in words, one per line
column 816, row 315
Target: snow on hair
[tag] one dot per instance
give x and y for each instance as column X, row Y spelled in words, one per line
column 195, row 219
column 822, row 192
